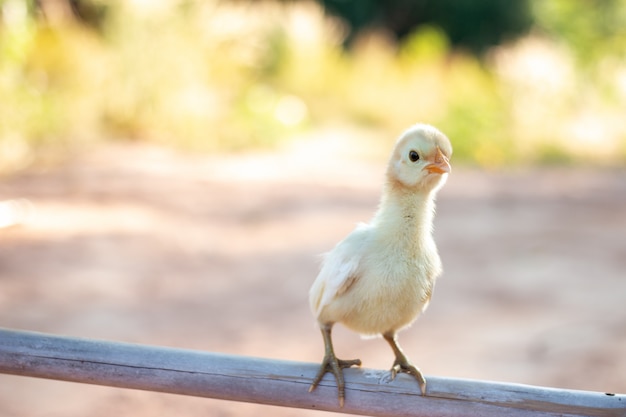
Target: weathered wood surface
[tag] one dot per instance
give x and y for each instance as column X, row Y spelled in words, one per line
column 283, row 383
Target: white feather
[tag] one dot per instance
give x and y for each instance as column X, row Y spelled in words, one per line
column 339, row 269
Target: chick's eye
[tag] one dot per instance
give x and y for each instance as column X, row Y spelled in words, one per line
column 414, row 156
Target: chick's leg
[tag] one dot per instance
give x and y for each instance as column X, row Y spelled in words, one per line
column 332, row 364
column 402, row 364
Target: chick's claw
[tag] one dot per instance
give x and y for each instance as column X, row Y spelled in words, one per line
column 335, row 366
column 403, row 365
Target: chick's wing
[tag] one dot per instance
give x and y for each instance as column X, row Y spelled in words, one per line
column 340, row 269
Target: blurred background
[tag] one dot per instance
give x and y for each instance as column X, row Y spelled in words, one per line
column 170, row 171
column 533, row 81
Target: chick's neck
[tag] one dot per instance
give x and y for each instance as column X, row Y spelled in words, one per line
column 405, row 216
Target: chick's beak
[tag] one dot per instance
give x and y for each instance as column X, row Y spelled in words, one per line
column 441, row 164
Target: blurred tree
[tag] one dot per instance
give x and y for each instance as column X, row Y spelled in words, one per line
column 92, row 13
column 592, row 29
column 472, row 24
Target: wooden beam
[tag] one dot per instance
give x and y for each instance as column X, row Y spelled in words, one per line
column 283, row 383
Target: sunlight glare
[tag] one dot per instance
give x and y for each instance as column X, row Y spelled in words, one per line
column 14, row 212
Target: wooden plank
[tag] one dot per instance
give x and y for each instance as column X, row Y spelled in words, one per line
column 283, row 383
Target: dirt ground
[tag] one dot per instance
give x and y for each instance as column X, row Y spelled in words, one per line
column 141, row 244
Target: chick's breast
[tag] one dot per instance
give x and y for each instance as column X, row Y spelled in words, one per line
column 388, row 292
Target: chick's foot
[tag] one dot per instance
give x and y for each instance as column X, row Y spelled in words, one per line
column 333, row 365
column 402, row 364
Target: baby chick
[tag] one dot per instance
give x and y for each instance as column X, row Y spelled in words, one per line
column 381, row 277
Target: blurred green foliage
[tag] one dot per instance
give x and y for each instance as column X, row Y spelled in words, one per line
column 228, row 75
column 593, row 29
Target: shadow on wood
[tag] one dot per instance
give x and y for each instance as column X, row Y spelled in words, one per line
column 283, row 383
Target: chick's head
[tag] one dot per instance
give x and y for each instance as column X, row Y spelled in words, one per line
column 420, row 159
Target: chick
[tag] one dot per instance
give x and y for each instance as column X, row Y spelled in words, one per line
column 381, row 277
